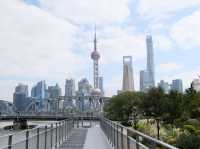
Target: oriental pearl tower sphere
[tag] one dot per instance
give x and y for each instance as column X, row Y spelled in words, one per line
column 95, row 57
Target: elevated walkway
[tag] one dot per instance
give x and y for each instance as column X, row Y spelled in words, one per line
column 86, row 138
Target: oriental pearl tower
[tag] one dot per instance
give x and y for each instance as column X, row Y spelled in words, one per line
column 95, row 57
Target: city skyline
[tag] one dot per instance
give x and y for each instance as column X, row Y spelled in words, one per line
column 42, row 40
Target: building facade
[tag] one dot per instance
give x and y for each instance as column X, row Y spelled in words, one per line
column 20, row 98
column 164, row 86
column 196, row 84
column 128, row 82
column 39, row 92
column 177, row 85
column 143, row 81
column 147, row 77
column 54, row 91
column 150, row 61
column 70, row 87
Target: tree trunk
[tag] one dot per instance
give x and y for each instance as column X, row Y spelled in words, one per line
column 158, row 128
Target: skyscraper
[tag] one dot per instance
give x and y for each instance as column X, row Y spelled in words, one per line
column 39, row 91
column 84, row 87
column 70, row 87
column 164, row 86
column 177, row 85
column 143, row 80
column 147, row 77
column 128, row 82
column 21, row 88
column 150, row 61
column 20, row 97
column 95, row 57
column 54, row 91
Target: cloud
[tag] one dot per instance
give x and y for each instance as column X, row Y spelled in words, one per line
column 186, row 31
column 163, row 43
column 169, row 67
column 88, row 11
column 151, row 8
column 120, row 42
column 35, row 45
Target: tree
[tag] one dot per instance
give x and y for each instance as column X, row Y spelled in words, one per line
column 123, row 106
column 173, row 108
column 192, row 103
column 153, row 106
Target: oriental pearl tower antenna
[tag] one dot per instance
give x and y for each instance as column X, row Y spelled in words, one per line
column 95, row 57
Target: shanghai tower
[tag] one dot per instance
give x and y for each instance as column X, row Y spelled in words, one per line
column 150, row 62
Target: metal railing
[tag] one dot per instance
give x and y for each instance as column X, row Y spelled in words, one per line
column 44, row 137
column 122, row 137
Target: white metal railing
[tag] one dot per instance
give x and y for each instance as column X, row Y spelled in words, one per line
column 126, row 138
column 44, row 137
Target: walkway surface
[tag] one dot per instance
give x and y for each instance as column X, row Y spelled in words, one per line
column 96, row 139
column 87, row 138
column 76, row 139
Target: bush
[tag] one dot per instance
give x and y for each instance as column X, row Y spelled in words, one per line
column 188, row 141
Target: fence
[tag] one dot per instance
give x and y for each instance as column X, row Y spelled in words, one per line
column 44, row 137
column 126, row 138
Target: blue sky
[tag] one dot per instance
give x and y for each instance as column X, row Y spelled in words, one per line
column 52, row 40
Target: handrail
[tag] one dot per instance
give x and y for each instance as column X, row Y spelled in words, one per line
column 137, row 133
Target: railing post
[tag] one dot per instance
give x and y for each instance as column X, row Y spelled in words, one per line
column 27, row 139
column 63, row 130
column 38, row 138
column 65, row 122
column 10, row 142
column 128, row 140
column 78, row 123
column 59, row 126
column 45, row 138
column 117, row 137
column 114, row 135
column 56, row 135
column 122, row 140
column 51, row 136
column 82, row 121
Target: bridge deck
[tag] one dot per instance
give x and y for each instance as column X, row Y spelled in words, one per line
column 87, row 138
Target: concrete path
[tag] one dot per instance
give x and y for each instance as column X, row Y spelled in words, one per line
column 87, row 138
column 96, row 139
column 76, row 140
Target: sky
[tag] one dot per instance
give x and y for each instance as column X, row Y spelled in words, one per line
column 52, row 40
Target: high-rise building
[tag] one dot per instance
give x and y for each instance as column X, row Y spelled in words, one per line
column 21, row 88
column 147, row 77
column 101, row 85
column 143, row 81
column 70, row 87
column 84, row 87
column 128, row 82
column 95, row 56
column 164, row 86
column 20, row 97
column 177, row 85
column 39, row 91
column 196, row 84
column 150, row 61
column 54, row 91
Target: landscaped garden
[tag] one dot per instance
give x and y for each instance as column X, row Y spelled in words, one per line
column 173, row 118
